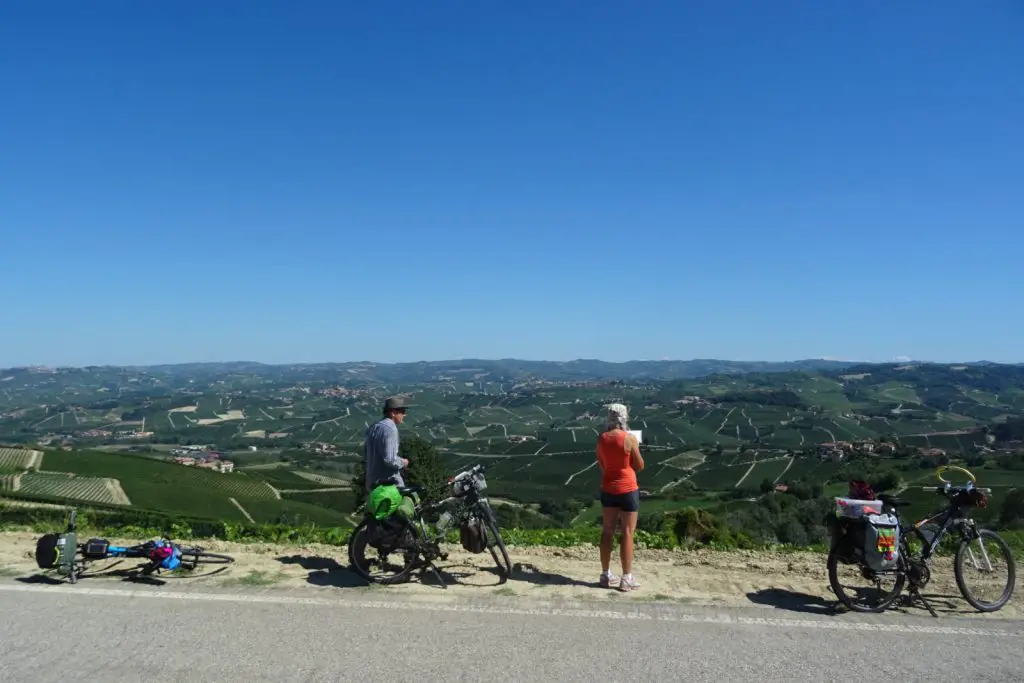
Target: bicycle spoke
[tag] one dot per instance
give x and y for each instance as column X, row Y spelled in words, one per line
column 865, row 589
column 984, row 553
column 988, row 584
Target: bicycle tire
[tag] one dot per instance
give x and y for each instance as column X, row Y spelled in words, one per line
column 357, row 559
column 491, row 522
column 193, row 557
column 958, row 566
column 837, row 589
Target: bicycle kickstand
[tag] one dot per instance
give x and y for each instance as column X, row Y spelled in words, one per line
column 915, row 593
column 437, row 572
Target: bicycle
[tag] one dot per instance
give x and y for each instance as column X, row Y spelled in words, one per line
column 913, row 568
column 465, row 508
column 63, row 553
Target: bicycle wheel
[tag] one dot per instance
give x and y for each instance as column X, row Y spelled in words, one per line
column 495, row 543
column 358, row 543
column 194, row 557
column 837, row 567
column 986, row 564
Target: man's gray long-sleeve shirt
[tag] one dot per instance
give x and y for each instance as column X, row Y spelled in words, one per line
column 381, row 453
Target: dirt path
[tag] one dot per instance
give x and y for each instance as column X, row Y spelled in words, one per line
column 789, row 581
column 783, row 473
column 242, row 509
column 726, row 419
column 747, row 473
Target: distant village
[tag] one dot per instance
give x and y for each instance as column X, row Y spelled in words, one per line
column 201, row 456
column 841, row 450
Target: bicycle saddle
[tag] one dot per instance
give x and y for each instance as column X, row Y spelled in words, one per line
column 404, row 490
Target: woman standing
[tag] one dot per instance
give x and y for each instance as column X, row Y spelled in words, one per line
column 618, row 456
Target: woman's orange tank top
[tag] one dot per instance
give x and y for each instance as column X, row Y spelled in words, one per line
column 613, row 452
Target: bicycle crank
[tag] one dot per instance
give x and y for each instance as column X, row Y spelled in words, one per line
column 919, row 574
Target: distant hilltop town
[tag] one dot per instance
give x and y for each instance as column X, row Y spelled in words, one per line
column 200, row 456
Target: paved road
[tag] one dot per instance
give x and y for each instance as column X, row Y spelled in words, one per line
column 115, row 634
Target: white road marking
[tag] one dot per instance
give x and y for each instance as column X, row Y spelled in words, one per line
column 724, row 617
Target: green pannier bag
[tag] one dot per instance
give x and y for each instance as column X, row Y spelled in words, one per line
column 384, row 501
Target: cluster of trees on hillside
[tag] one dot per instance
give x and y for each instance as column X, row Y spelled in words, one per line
column 792, row 517
column 426, row 469
column 1011, row 430
column 992, row 378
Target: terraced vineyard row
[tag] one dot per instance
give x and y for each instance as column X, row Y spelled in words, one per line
column 324, row 479
column 157, row 485
column 95, row 489
column 144, row 473
column 18, row 459
column 10, row 482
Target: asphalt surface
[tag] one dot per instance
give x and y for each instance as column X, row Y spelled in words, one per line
column 114, row 633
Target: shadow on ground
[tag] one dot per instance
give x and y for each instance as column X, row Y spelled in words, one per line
column 448, row 576
column 325, row 571
column 124, row 574
column 949, row 605
column 794, row 601
column 531, row 573
column 813, row 604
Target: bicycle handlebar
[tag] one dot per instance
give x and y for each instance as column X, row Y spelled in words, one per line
column 475, row 469
column 943, row 468
column 947, row 489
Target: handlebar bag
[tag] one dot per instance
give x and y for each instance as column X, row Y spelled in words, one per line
column 96, row 548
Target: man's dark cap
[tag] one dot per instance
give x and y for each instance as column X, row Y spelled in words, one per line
column 394, row 403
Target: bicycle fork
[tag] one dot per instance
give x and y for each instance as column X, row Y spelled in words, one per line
column 968, row 532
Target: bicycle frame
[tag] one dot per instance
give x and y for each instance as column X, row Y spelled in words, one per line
column 913, row 567
column 953, row 516
column 950, row 517
column 465, row 502
column 119, row 552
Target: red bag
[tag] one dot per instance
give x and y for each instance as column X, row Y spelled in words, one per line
column 861, row 490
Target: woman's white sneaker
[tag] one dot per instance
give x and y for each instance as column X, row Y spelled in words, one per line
column 628, row 583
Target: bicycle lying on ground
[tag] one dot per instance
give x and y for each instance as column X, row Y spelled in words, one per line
column 418, row 547
column 63, row 553
column 878, row 545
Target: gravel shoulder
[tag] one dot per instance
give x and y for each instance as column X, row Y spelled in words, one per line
column 794, row 582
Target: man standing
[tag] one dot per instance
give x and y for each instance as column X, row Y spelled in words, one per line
column 381, row 446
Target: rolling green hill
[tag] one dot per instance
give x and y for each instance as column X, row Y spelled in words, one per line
column 716, row 435
column 159, row 486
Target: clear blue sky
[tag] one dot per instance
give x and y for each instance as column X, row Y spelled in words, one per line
column 283, row 181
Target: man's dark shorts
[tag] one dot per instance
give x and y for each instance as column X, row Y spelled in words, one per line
column 626, row 502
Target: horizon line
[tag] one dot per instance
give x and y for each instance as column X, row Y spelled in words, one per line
column 823, row 359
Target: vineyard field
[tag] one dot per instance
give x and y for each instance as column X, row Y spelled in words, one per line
column 157, row 485
column 324, row 479
column 769, row 469
column 94, row 489
column 10, row 483
column 18, row 460
column 137, row 473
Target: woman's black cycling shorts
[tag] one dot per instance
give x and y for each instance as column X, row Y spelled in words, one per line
column 626, row 502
